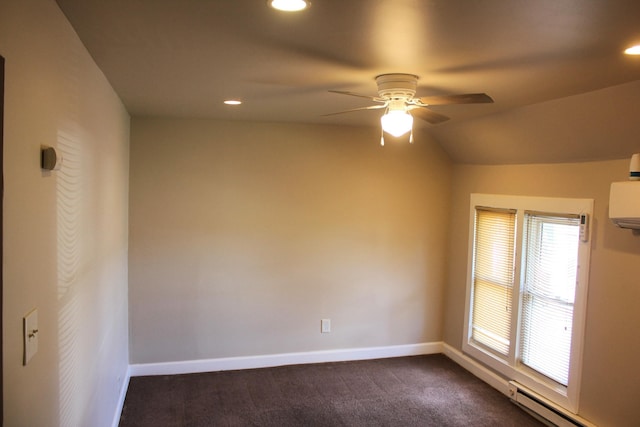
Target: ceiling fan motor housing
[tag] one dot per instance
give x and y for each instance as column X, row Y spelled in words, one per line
column 397, row 86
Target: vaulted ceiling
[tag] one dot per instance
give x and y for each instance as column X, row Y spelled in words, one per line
column 552, row 66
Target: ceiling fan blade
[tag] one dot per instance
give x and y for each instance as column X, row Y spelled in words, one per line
column 371, row 107
column 467, row 98
column 428, row 115
column 344, row 92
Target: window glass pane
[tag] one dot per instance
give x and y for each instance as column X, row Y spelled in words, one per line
column 493, row 278
column 551, row 259
column 492, row 316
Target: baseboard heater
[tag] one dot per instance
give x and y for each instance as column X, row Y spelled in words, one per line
column 545, row 411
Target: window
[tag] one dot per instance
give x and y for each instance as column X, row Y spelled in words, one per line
column 551, row 262
column 493, row 278
column 526, row 292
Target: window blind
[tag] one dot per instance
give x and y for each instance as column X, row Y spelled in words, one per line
column 493, row 276
column 551, row 260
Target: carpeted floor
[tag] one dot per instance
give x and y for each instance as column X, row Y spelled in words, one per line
column 407, row 391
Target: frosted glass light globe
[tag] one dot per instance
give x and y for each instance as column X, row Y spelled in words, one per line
column 396, row 122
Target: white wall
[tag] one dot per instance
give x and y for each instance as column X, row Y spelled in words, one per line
column 244, row 235
column 611, row 375
column 65, row 232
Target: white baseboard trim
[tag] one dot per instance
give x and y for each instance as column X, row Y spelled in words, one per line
column 501, row 384
column 488, row 376
column 123, row 394
column 270, row 360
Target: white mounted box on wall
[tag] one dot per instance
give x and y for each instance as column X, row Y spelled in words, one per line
column 624, row 204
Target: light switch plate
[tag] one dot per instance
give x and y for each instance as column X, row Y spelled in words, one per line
column 30, row 328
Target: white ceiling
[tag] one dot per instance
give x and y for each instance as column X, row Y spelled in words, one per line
column 182, row 58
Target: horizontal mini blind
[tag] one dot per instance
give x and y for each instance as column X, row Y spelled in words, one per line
column 551, row 261
column 493, row 275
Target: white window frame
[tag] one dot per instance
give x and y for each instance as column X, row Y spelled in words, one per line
column 510, row 366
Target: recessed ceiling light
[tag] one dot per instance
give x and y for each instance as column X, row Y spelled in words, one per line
column 633, row 50
column 233, row 102
column 289, row 5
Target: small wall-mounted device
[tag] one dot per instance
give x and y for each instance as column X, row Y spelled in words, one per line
column 624, row 198
column 624, row 204
column 584, row 227
column 49, row 159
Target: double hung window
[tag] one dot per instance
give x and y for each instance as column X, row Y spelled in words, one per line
column 526, row 292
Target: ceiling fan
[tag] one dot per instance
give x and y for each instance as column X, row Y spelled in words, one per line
column 396, row 94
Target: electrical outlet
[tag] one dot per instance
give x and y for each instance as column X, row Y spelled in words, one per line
column 325, row 326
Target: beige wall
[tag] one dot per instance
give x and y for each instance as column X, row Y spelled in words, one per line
column 611, row 376
column 244, row 235
column 65, row 232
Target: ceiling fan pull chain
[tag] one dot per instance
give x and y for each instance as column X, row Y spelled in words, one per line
column 386, row 110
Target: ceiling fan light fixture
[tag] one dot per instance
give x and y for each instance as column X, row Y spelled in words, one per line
column 396, row 94
column 397, row 122
column 289, row 5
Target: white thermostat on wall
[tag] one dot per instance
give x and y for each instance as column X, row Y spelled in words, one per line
column 584, row 227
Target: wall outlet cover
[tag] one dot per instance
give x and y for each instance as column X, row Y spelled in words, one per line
column 325, row 326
